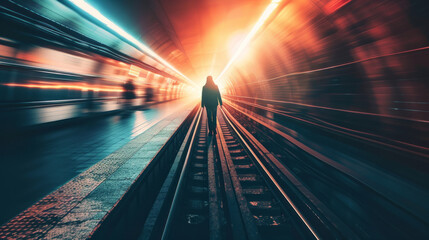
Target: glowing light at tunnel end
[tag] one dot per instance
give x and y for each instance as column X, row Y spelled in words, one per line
column 265, row 15
column 100, row 17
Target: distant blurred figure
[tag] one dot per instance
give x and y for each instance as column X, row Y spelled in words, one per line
column 129, row 91
column 90, row 99
column 149, row 94
column 210, row 99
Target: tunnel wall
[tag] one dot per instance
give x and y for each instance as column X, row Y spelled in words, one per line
column 367, row 56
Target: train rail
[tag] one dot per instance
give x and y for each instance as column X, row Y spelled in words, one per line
column 232, row 186
column 224, row 191
column 266, row 209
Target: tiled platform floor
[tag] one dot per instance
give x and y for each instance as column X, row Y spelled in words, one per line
column 85, row 200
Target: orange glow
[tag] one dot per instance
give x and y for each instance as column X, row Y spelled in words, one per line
column 265, row 15
column 206, row 30
column 234, row 42
column 76, row 86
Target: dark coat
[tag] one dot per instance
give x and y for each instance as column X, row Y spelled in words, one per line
column 211, row 97
column 129, row 90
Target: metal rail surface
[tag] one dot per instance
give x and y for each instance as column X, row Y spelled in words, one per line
column 225, row 192
column 253, row 177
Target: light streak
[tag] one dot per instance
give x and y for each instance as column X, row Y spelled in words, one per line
column 97, row 15
column 335, row 5
column 80, row 87
column 271, row 7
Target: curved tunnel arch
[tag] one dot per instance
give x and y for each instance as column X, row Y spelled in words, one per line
column 350, row 58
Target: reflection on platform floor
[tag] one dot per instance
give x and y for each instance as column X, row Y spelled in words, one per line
column 37, row 164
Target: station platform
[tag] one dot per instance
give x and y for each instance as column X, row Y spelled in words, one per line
column 33, row 116
column 37, row 164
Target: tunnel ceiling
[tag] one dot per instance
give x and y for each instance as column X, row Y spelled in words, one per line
column 196, row 36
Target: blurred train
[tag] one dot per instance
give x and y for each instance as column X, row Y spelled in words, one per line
column 51, row 54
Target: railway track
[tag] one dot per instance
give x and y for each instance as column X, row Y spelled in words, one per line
column 266, row 210
column 232, row 187
column 225, row 192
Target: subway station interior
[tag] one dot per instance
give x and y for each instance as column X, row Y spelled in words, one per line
column 321, row 130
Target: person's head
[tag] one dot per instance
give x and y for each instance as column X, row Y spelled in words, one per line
column 210, row 80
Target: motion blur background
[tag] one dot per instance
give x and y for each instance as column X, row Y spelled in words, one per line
column 324, row 56
column 359, row 65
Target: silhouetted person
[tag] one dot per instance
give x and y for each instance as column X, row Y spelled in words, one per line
column 129, row 90
column 128, row 93
column 210, row 99
column 90, row 99
column 149, row 94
